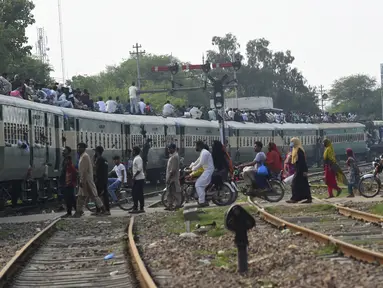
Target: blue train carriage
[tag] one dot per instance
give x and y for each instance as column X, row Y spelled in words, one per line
column 242, row 137
column 161, row 131
column 343, row 136
column 307, row 133
column 30, row 137
column 191, row 130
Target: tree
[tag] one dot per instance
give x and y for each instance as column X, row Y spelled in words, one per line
column 263, row 73
column 356, row 94
column 15, row 55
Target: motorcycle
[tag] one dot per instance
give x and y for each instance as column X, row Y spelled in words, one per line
column 221, row 195
column 369, row 180
column 273, row 192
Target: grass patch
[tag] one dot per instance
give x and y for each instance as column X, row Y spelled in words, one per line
column 326, row 250
column 175, row 222
column 377, row 209
column 297, row 209
column 226, row 259
column 62, row 225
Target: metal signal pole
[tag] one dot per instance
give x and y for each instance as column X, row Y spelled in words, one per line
column 138, row 54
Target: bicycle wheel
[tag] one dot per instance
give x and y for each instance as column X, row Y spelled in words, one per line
column 124, row 198
column 369, row 187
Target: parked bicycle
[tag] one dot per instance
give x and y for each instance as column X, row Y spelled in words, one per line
column 123, row 199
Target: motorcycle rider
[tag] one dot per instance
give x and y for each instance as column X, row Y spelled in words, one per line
column 260, row 157
column 205, row 161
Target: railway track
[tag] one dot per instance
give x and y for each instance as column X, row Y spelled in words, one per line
column 337, row 226
column 70, row 253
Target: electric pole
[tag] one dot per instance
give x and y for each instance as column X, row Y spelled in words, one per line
column 137, row 53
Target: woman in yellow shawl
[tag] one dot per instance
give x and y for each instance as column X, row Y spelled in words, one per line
column 332, row 171
column 300, row 187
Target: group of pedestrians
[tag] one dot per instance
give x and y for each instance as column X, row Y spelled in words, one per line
column 98, row 186
column 295, row 165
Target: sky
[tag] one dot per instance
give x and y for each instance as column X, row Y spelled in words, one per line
column 329, row 39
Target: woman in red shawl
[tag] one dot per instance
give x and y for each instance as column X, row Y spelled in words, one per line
column 274, row 160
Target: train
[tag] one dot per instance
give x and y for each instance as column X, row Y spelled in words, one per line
column 32, row 136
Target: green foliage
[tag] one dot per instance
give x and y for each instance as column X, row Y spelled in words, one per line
column 15, row 55
column 357, row 94
column 265, row 73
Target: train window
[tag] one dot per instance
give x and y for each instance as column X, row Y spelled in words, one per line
column 99, row 140
column 50, row 136
column 103, row 140
column 119, row 142
column 81, row 137
column 69, row 124
column 91, row 139
column 107, row 141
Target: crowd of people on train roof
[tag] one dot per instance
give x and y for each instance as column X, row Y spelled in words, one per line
column 65, row 96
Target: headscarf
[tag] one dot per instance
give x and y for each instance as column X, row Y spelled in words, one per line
column 350, row 153
column 273, row 147
column 329, row 153
column 297, row 145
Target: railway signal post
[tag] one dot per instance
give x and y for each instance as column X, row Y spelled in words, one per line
column 218, row 85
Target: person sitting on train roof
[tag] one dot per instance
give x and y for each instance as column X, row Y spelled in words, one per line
column 111, row 105
column 168, row 109
column 101, row 105
column 141, row 106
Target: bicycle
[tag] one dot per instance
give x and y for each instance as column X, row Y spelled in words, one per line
column 124, row 199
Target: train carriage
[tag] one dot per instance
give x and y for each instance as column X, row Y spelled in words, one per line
column 343, row 136
column 191, row 130
column 29, row 137
column 307, row 133
column 242, row 137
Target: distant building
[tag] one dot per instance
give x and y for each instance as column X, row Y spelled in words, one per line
column 248, row 103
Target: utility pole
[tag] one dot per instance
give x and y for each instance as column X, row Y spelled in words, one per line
column 138, row 54
column 61, row 42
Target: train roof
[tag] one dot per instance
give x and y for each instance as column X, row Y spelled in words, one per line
column 249, row 125
column 339, row 125
column 195, row 122
column 295, row 126
column 17, row 102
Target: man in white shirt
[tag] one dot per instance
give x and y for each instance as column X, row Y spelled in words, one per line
column 101, row 105
column 168, row 109
column 142, row 106
column 195, row 113
column 138, row 181
column 111, row 105
column 133, row 98
column 206, row 162
column 212, row 115
column 115, row 183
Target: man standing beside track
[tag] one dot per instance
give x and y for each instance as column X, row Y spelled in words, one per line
column 87, row 186
column 138, row 181
column 101, row 180
column 172, row 178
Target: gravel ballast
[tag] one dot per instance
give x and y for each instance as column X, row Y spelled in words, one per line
column 276, row 258
column 13, row 236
